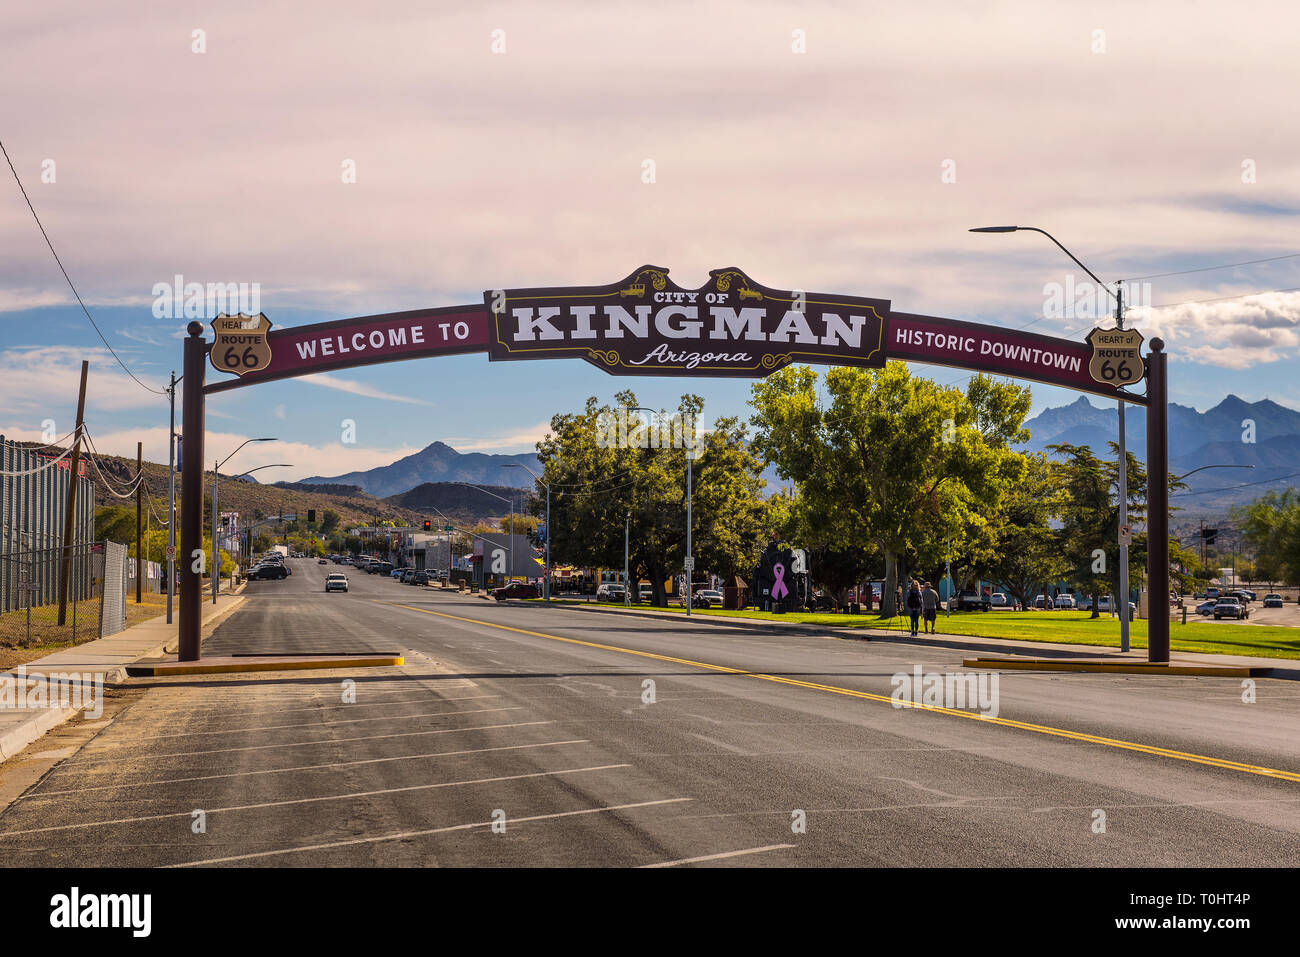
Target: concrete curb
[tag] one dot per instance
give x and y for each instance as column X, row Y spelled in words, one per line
column 1114, row 667
column 1060, row 655
column 19, row 736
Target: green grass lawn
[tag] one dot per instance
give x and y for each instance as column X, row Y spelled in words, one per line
column 1064, row 627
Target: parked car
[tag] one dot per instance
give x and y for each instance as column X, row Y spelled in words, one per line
column 1242, row 595
column 1040, row 601
column 1207, row 607
column 707, row 598
column 611, row 592
column 1248, row 593
column 1272, row 601
column 419, row 578
column 646, row 592
column 336, row 582
column 973, row 601
column 998, row 600
column 1083, row 603
column 1212, row 593
column 1063, row 601
column 323, row 561
column 396, row 573
column 516, row 590
column 267, row 573
column 1230, row 607
column 407, row 575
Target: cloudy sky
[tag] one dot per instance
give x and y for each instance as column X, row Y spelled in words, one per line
column 832, row 146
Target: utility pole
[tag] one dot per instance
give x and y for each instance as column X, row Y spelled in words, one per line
column 627, row 538
column 65, row 565
column 171, row 501
column 139, row 503
column 216, row 554
column 1123, row 497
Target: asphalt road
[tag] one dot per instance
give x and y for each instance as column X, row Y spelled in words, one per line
column 754, row 749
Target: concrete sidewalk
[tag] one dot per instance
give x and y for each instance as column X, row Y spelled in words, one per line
column 1287, row 668
column 103, row 659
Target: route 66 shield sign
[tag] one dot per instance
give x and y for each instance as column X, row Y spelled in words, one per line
column 241, row 343
column 1116, row 356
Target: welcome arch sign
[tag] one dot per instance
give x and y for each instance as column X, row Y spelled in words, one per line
column 646, row 324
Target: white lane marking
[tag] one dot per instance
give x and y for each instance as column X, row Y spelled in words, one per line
column 317, row 724
column 717, row 857
column 404, row 835
column 75, row 766
column 301, row 767
column 331, row 797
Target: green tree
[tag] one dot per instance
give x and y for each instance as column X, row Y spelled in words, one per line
column 1027, row 550
column 602, row 479
column 115, row 523
column 1271, row 524
column 888, row 460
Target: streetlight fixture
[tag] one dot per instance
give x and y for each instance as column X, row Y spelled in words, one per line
column 546, row 592
column 1123, row 450
column 278, row 465
column 511, row 503
column 1179, row 478
column 216, row 478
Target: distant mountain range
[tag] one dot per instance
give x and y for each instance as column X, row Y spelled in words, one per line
column 1196, row 438
column 1213, row 437
column 438, row 462
column 460, row 502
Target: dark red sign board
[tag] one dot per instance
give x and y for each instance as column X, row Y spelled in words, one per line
column 648, row 325
column 996, row 350
column 345, row 343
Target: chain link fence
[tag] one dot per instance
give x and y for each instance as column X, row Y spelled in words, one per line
column 30, row 612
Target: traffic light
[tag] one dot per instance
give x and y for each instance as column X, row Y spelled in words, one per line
column 428, row 525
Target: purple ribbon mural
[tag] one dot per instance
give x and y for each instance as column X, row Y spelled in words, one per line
column 778, row 588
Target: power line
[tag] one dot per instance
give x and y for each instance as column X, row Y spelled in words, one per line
column 41, row 227
column 40, row 468
column 1186, row 272
column 1244, row 295
column 1229, row 488
column 134, row 482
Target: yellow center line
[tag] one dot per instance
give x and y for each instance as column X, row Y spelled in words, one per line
column 852, row 693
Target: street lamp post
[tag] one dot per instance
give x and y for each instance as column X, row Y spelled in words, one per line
column 511, row 503
column 216, row 478
column 1123, row 450
column 627, row 538
column 546, row 591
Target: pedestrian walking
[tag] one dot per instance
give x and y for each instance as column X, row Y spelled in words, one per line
column 930, row 607
column 915, row 605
